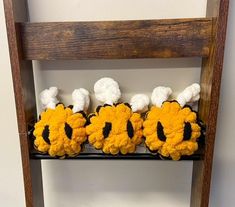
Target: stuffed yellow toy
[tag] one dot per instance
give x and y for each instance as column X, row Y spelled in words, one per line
column 171, row 128
column 115, row 128
column 61, row 130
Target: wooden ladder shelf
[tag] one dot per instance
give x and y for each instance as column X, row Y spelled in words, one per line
column 196, row 37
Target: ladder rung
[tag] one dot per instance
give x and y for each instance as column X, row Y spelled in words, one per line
column 116, row 39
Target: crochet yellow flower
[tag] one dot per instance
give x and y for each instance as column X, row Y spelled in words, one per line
column 171, row 130
column 60, row 132
column 115, row 128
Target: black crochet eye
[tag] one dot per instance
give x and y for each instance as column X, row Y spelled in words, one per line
column 107, row 129
column 45, row 134
column 130, row 130
column 68, row 131
column 187, row 131
column 160, row 132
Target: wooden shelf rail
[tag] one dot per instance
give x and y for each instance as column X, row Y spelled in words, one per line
column 116, row 39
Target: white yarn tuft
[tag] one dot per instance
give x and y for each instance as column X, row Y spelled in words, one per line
column 107, row 90
column 139, row 103
column 81, row 100
column 160, row 94
column 189, row 94
column 48, row 98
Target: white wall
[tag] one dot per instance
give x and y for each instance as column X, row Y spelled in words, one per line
column 116, row 183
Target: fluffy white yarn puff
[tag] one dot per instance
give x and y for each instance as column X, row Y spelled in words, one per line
column 139, row 103
column 190, row 94
column 48, row 98
column 107, row 90
column 81, row 100
column 160, row 94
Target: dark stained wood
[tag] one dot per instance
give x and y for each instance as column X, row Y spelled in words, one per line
column 23, row 82
column 208, row 108
column 117, row 39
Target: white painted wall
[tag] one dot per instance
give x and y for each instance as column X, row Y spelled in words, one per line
column 116, row 183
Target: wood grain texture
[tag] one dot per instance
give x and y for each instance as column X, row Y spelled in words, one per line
column 25, row 100
column 208, row 107
column 116, row 39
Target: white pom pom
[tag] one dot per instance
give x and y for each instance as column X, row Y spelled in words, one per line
column 48, row 98
column 139, row 102
column 81, row 100
column 160, row 94
column 190, row 94
column 107, row 90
